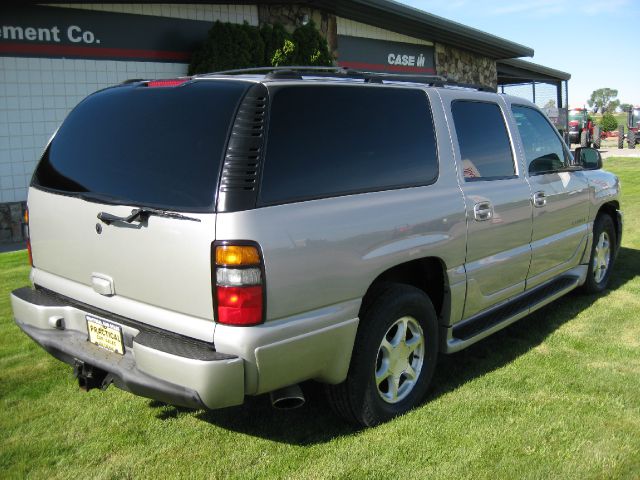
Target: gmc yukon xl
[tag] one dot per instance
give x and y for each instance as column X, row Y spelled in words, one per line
column 201, row 239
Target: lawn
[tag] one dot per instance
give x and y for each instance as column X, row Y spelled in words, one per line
column 556, row 395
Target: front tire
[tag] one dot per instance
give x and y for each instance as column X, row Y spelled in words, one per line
column 584, row 138
column 631, row 139
column 393, row 359
column 620, row 136
column 596, row 137
column 602, row 255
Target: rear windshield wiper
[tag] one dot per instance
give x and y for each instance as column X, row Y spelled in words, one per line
column 142, row 215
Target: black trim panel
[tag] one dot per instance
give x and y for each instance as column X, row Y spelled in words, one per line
column 478, row 324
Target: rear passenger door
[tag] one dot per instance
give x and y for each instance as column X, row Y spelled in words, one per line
column 496, row 198
column 560, row 198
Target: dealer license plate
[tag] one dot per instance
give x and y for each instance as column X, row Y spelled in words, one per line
column 105, row 334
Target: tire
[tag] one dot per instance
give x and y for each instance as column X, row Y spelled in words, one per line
column 602, row 255
column 584, row 138
column 596, row 137
column 620, row 136
column 631, row 139
column 381, row 348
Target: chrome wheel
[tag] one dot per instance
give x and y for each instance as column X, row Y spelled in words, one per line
column 400, row 360
column 601, row 257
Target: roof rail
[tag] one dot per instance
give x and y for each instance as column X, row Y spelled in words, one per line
column 297, row 72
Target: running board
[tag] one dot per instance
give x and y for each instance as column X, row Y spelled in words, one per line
column 476, row 328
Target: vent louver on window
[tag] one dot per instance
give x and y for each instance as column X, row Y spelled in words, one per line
column 243, row 158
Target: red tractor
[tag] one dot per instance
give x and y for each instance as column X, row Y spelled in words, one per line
column 582, row 128
column 633, row 128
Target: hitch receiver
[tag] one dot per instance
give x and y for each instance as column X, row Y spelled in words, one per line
column 90, row 377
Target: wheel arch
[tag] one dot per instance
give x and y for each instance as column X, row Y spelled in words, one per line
column 427, row 274
column 612, row 208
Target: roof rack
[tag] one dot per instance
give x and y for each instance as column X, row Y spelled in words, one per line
column 297, row 72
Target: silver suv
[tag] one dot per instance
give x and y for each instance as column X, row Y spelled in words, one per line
column 202, row 239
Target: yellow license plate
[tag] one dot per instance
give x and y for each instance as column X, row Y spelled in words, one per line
column 105, row 334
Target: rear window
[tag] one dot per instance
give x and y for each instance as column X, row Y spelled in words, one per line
column 337, row 140
column 141, row 145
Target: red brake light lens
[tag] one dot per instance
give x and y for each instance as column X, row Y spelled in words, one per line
column 25, row 233
column 238, row 284
column 172, row 82
column 239, row 305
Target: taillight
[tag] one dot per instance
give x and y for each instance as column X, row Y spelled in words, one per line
column 25, row 233
column 238, row 284
column 172, row 82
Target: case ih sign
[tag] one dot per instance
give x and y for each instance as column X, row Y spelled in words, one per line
column 384, row 56
column 74, row 33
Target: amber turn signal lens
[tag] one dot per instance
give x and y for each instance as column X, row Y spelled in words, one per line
column 237, row 255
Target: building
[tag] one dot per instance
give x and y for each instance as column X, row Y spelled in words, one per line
column 53, row 55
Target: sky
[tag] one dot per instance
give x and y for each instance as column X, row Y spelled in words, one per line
column 596, row 41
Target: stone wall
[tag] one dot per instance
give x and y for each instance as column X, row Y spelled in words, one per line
column 11, row 221
column 465, row 67
column 290, row 16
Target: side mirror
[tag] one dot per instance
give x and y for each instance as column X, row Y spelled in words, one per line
column 588, row 158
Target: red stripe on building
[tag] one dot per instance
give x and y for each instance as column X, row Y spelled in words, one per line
column 387, row 68
column 91, row 52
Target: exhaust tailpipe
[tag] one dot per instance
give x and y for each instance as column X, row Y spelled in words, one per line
column 287, row 398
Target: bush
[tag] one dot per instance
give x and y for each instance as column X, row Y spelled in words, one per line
column 229, row 46
column 608, row 122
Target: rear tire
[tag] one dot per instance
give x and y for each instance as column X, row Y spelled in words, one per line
column 393, row 358
column 596, row 137
column 631, row 139
column 584, row 138
column 620, row 136
column 602, row 255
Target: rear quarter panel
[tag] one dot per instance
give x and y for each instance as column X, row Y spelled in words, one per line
column 323, row 252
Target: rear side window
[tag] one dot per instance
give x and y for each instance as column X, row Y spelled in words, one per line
column 337, row 140
column 543, row 149
column 142, row 145
column 485, row 148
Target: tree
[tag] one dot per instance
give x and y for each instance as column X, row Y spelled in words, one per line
column 604, row 99
column 625, row 107
column 550, row 104
column 608, row 122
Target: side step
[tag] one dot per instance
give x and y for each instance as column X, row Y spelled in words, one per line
column 475, row 328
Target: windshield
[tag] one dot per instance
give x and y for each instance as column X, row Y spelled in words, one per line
column 140, row 145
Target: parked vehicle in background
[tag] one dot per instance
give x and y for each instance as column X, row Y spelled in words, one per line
column 582, row 129
column 206, row 238
column 633, row 127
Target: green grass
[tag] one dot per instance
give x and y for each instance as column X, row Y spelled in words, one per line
column 556, row 395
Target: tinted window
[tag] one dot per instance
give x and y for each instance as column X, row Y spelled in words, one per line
column 334, row 140
column 542, row 147
column 485, row 149
column 152, row 146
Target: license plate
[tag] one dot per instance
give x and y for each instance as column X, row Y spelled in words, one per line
column 105, row 334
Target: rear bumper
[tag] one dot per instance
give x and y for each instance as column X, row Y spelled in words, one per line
column 156, row 364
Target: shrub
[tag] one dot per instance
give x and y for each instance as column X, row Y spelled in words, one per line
column 229, row 46
column 608, row 122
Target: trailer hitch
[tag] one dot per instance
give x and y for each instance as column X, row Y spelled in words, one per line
column 90, row 377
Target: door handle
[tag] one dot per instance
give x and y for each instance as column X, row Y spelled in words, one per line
column 482, row 211
column 539, row 199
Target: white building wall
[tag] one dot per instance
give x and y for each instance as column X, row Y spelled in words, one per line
column 357, row 29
